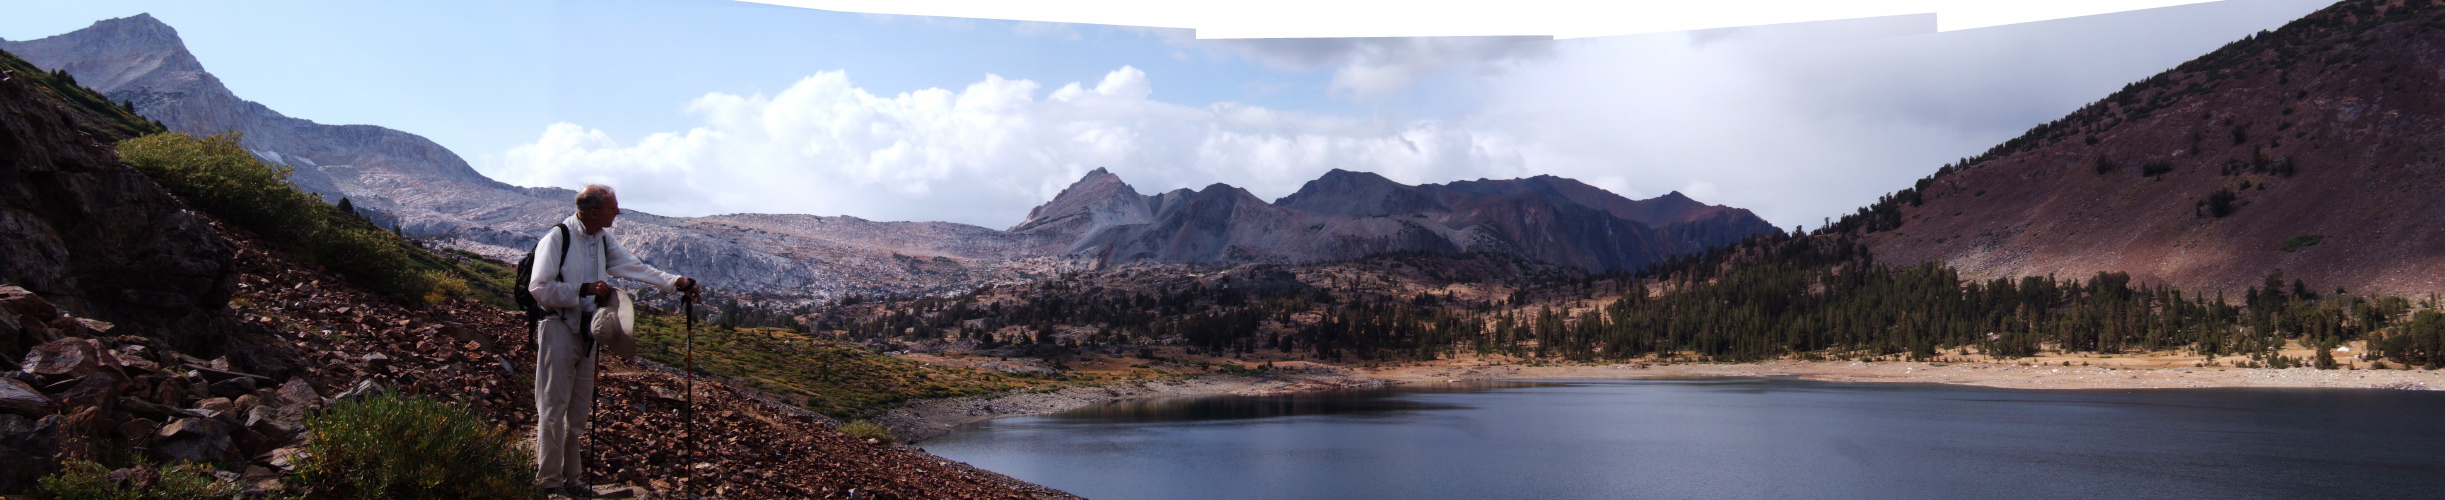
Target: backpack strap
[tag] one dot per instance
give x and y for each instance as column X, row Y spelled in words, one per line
column 564, row 250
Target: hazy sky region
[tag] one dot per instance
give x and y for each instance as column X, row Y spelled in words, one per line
column 697, row 107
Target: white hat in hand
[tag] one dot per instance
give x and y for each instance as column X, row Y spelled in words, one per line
column 616, row 326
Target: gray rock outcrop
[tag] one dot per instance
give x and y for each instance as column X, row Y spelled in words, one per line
column 97, row 237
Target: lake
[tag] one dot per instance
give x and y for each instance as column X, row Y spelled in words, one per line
column 1731, row 438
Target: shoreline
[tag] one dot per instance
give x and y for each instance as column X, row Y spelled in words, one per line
column 931, row 419
column 1999, row 375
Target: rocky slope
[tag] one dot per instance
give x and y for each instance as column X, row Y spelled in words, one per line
column 2313, row 149
column 101, row 240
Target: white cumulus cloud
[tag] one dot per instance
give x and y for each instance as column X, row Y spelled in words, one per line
column 1368, row 69
column 984, row 154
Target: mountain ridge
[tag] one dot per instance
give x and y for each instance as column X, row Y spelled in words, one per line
column 2310, row 152
column 1344, row 214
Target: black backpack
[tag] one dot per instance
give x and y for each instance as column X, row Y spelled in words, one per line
column 526, row 274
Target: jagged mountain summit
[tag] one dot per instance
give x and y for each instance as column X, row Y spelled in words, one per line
column 1346, row 214
column 2313, row 149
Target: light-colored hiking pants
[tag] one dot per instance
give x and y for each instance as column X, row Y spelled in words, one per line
column 564, row 396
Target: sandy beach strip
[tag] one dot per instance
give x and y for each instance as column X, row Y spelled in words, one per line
column 930, row 419
column 2004, row 375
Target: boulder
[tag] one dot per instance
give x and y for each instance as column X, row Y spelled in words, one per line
column 233, row 387
column 40, row 439
column 99, row 389
column 70, row 357
column 24, row 304
column 297, row 392
column 286, row 458
column 11, row 348
column 276, row 428
column 193, row 439
column 364, row 388
column 147, row 409
column 133, row 358
column 25, row 450
column 19, row 398
column 137, row 428
column 79, row 327
column 221, row 405
column 246, row 442
column 19, row 470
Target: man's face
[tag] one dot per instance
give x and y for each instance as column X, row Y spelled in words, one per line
column 601, row 216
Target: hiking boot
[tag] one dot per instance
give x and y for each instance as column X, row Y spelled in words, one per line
column 567, row 491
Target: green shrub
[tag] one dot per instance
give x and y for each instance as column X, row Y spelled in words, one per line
column 371, row 257
column 2419, row 343
column 867, row 430
column 2220, row 203
column 219, row 177
column 2155, row 168
column 79, row 479
column 2296, row 243
column 216, row 175
column 390, row 446
column 444, row 287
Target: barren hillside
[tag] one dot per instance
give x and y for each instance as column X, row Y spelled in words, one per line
column 2313, row 149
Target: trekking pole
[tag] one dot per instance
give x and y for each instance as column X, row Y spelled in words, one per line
column 689, row 414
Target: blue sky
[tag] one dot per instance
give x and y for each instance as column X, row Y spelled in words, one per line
column 696, row 107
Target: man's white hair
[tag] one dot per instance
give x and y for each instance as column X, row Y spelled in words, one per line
column 594, row 195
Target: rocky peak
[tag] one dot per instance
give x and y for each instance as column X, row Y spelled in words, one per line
column 112, row 53
column 1099, row 199
column 141, row 60
column 1344, row 192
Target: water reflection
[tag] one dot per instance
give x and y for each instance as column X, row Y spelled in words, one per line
column 1356, row 403
column 1737, row 438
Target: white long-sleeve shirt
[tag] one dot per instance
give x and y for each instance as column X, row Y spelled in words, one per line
column 585, row 265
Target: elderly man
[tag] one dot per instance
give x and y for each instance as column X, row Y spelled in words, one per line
column 564, row 353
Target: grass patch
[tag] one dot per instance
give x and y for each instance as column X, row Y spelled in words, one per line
column 109, row 122
column 866, row 430
column 2296, row 243
column 832, row 378
column 80, row 479
column 216, row 175
column 392, row 446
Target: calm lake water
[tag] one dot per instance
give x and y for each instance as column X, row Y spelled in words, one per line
column 1738, row 438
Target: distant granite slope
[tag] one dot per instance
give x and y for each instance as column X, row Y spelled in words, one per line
column 1345, row 214
column 141, row 60
column 2313, row 149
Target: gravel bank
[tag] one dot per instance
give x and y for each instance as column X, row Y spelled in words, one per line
column 928, row 420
